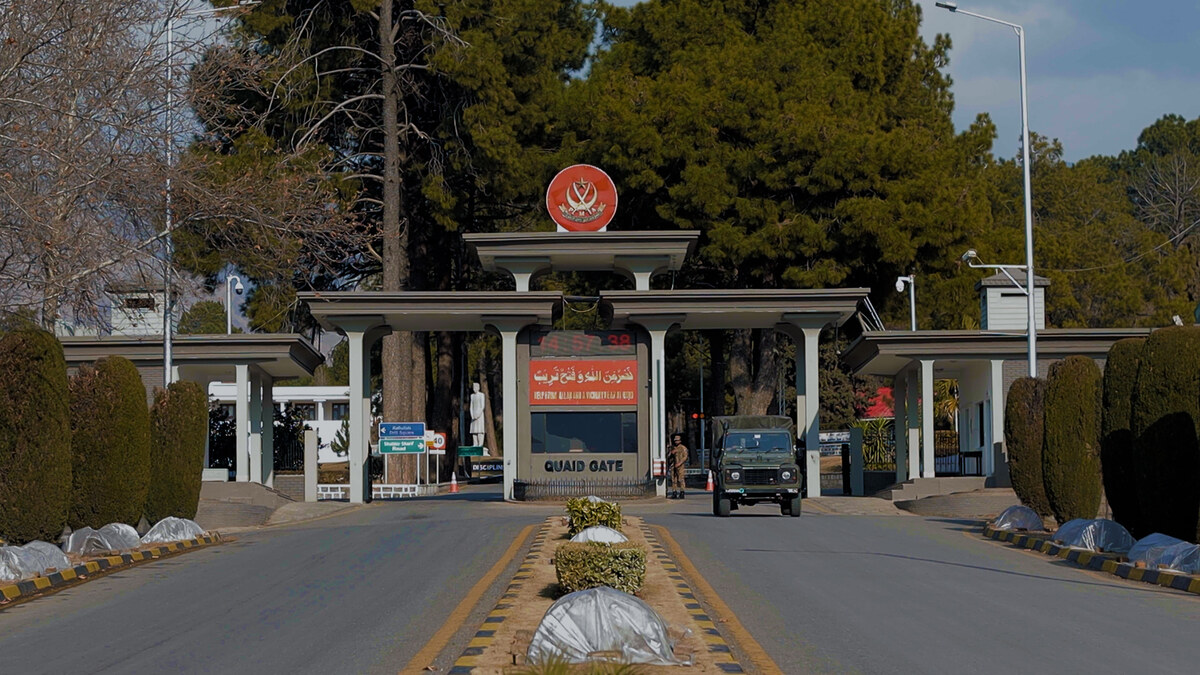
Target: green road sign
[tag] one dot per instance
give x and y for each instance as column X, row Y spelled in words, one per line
column 401, row 446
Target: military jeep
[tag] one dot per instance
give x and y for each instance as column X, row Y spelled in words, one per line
column 754, row 460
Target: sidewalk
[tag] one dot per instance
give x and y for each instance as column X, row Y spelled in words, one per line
column 976, row 504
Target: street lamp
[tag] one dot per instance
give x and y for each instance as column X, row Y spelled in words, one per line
column 1028, row 267
column 168, row 328
column 238, row 288
column 911, row 282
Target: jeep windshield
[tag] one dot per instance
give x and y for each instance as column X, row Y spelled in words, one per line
column 758, row 441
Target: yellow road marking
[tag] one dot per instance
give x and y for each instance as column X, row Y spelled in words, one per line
column 453, row 622
column 758, row 656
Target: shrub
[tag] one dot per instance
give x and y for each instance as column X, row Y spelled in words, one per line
column 1071, row 451
column 178, row 425
column 1023, row 432
column 1116, row 439
column 110, row 440
column 592, row 564
column 585, row 513
column 35, row 437
column 1166, row 411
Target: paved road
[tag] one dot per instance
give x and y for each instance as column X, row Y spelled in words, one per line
column 364, row 591
column 355, row 593
column 903, row 594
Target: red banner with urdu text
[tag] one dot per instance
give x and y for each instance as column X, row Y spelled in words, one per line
column 583, row 382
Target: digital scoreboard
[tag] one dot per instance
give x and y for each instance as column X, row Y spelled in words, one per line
column 583, row 343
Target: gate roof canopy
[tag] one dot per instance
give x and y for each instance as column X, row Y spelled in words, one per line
column 431, row 310
column 889, row 352
column 280, row 355
column 629, row 253
column 700, row 309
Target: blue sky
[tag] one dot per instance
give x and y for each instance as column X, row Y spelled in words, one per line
column 1099, row 71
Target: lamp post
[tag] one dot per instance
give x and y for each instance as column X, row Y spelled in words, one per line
column 911, row 282
column 1028, row 267
column 168, row 323
column 229, row 291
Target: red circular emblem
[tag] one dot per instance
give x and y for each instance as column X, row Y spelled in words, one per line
column 581, row 198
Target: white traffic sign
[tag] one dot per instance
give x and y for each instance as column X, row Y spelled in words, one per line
column 437, row 452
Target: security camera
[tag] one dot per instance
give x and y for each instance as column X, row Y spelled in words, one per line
column 969, row 255
column 900, row 284
column 238, row 288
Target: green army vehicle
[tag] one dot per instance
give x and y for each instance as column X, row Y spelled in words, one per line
column 754, row 460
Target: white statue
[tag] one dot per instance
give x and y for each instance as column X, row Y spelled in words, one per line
column 478, row 401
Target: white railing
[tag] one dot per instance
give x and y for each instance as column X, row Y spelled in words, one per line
column 378, row 491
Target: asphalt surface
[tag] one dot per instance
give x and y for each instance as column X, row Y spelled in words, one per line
column 363, row 592
column 902, row 594
column 359, row 592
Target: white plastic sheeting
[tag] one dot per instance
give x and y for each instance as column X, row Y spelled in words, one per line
column 1019, row 517
column 111, row 537
column 595, row 500
column 1094, row 535
column 1160, row 551
column 600, row 533
column 581, row 625
column 172, row 529
column 30, row 560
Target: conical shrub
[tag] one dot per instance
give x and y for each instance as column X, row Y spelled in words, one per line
column 178, row 427
column 1165, row 416
column 35, row 437
column 1116, row 438
column 1071, row 451
column 110, row 441
column 1023, row 436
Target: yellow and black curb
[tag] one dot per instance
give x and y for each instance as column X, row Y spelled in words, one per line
column 1097, row 562
column 30, row 587
column 713, row 640
column 486, row 634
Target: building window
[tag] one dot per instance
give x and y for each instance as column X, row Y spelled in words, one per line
column 229, row 409
column 339, row 411
column 307, row 411
column 594, row 432
column 139, row 303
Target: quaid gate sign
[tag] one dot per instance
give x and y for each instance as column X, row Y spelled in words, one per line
column 589, row 405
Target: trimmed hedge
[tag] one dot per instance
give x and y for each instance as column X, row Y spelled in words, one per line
column 178, row 426
column 585, row 513
column 593, row 564
column 35, row 437
column 1023, row 436
column 1166, row 412
column 110, row 440
column 1071, row 451
column 1116, row 439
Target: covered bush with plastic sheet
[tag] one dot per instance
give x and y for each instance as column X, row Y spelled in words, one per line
column 580, row 626
column 172, row 529
column 1019, row 517
column 1094, row 535
column 111, row 537
column 599, row 533
column 30, row 560
column 1160, row 551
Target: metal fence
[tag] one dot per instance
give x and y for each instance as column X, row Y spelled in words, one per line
column 567, row 488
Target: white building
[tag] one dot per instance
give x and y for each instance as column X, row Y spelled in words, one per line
column 324, row 408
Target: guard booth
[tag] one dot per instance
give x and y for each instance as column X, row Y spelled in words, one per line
column 585, row 405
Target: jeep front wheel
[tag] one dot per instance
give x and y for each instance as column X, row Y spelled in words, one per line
column 720, row 506
column 792, row 507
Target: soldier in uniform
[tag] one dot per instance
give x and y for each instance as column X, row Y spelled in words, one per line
column 679, row 460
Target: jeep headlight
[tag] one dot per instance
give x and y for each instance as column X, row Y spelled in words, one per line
column 733, row 475
column 789, row 474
